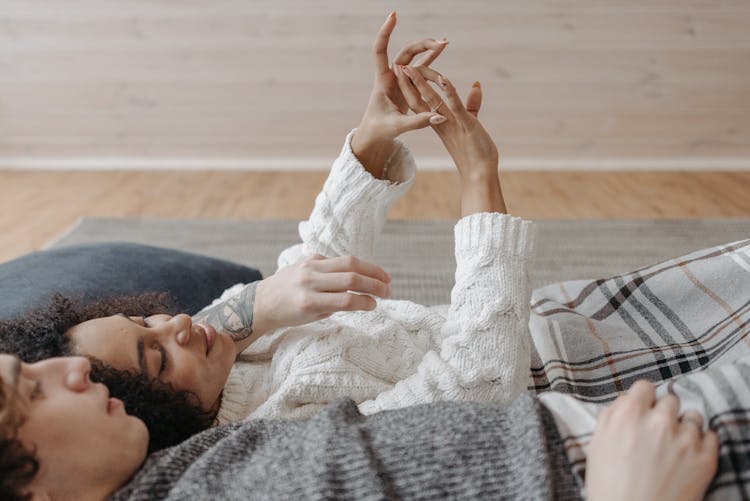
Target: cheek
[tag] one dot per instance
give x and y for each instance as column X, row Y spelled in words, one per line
column 187, row 373
column 227, row 356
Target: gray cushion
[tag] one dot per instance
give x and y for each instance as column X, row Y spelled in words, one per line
column 115, row 269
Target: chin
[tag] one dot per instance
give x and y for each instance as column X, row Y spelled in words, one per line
column 139, row 438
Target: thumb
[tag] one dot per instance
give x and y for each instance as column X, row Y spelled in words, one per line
column 419, row 121
column 474, row 99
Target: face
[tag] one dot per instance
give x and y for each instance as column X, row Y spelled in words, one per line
column 191, row 357
column 79, row 434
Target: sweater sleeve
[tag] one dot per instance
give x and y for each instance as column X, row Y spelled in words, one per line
column 351, row 209
column 484, row 352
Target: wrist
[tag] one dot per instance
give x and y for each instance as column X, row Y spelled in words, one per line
column 261, row 321
column 482, row 194
column 372, row 153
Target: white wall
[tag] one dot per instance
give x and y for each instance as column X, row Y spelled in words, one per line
column 277, row 83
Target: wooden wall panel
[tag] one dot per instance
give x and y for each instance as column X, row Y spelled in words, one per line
column 577, row 83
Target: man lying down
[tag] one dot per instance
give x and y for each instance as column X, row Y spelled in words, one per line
column 64, row 438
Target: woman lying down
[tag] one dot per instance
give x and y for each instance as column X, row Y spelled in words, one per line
column 384, row 354
column 63, row 437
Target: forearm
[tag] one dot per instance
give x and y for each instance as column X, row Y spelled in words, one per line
column 235, row 316
column 482, row 194
column 484, row 355
column 351, row 209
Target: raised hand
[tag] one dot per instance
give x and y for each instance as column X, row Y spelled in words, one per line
column 315, row 288
column 468, row 143
column 466, row 140
column 386, row 116
column 642, row 449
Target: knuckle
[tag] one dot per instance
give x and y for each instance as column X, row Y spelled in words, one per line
column 686, row 442
column 306, row 303
column 643, row 384
column 350, row 261
column 347, row 302
column 663, row 423
column 306, row 278
column 352, row 279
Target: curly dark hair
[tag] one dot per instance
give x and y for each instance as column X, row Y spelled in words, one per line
column 18, row 465
column 170, row 415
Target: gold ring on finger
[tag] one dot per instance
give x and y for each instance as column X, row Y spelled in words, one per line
column 436, row 107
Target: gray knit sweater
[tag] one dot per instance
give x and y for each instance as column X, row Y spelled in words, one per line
column 445, row 450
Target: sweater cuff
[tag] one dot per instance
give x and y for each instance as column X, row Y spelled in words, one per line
column 400, row 170
column 485, row 235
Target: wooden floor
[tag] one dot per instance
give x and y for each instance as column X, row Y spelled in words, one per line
column 38, row 206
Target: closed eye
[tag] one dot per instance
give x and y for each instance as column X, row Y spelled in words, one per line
column 163, row 352
column 36, row 392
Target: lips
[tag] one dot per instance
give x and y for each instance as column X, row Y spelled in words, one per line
column 114, row 404
column 209, row 336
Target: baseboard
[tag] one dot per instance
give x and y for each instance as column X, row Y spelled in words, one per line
column 316, row 164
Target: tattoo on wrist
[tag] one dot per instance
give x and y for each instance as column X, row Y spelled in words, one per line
column 233, row 316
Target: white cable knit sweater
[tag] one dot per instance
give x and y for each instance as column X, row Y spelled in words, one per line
column 401, row 353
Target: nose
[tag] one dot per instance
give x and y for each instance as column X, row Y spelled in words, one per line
column 179, row 326
column 77, row 374
column 72, row 372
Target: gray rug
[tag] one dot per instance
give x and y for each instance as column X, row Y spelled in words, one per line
column 419, row 254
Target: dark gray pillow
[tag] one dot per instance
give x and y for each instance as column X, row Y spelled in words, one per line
column 116, row 269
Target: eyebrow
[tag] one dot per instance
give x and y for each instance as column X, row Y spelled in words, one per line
column 16, row 371
column 142, row 365
column 142, row 357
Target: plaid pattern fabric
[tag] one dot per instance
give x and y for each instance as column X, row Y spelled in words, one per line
column 683, row 324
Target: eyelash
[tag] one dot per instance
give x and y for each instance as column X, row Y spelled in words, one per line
column 37, row 391
column 163, row 359
column 158, row 347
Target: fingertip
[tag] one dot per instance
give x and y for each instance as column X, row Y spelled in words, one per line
column 476, row 85
column 644, row 390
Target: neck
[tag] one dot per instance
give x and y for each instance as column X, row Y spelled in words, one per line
column 84, row 494
column 78, row 491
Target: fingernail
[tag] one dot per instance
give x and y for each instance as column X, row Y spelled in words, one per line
column 437, row 119
column 406, row 70
column 476, row 84
column 443, row 40
column 442, row 81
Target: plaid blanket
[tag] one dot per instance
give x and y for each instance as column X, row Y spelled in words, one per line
column 683, row 323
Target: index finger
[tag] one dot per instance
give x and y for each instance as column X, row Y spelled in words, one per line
column 351, row 263
column 408, row 53
column 380, row 47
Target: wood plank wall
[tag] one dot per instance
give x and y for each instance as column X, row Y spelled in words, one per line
column 277, row 83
